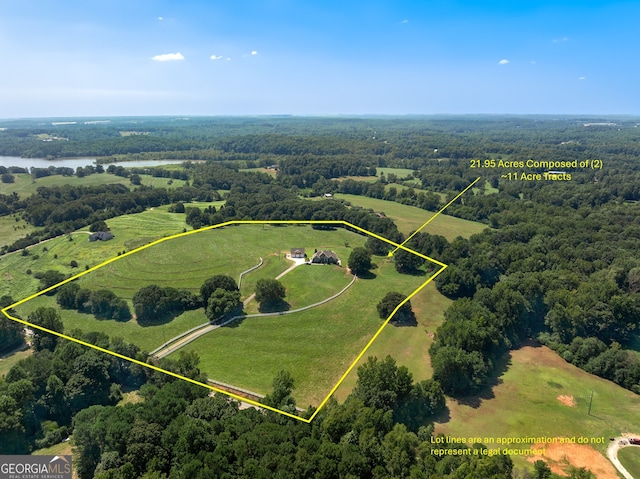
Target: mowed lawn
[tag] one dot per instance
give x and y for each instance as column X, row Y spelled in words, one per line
column 524, row 402
column 410, row 218
column 630, row 459
column 315, row 346
column 7, row 362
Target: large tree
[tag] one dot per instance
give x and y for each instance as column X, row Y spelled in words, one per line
column 220, row 281
column 269, row 291
column 390, row 302
column 359, row 261
column 48, row 318
column 222, row 302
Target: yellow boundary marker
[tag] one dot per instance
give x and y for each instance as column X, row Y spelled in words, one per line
column 443, row 266
column 434, row 216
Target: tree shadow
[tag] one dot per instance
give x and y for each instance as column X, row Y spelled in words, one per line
column 486, row 391
column 278, row 306
column 404, row 320
column 367, row 275
column 159, row 320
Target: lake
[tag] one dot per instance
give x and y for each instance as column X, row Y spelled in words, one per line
column 75, row 162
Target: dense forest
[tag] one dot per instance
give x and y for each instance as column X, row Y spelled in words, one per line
column 558, row 264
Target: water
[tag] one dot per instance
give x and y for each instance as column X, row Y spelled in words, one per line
column 75, row 162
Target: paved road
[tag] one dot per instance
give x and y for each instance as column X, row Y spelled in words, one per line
column 612, row 454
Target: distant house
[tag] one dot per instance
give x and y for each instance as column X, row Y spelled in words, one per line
column 328, row 195
column 297, row 253
column 101, row 236
column 325, row 257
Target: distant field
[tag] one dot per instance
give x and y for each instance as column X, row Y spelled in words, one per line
column 524, row 402
column 410, row 218
column 417, row 189
column 269, row 171
column 630, row 459
column 488, row 189
column 399, row 172
column 25, row 186
column 12, row 230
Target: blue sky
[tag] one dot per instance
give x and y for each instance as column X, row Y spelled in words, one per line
column 155, row 57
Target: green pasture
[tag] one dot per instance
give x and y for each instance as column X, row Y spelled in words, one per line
column 12, row 228
column 630, row 459
column 399, row 172
column 523, row 401
column 417, row 189
column 487, row 190
column 24, row 185
column 315, row 346
column 410, row 218
column 7, row 362
column 146, row 337
column 130, row 232
column 408, row 345
column 188, row 261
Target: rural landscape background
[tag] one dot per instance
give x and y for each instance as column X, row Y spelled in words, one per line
column 340, row 240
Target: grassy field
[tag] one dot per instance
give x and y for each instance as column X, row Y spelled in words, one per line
column 408, row 345
column 410, row 218
column 315, row 346
column 146, row 337
column 12, row 230
column 630, row 459
column 7, row 362
column 524, row 401
column 25, row 186
column 488, row 189
column 130, row 231
column 399, row 172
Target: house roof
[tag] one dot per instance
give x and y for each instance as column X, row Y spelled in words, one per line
column 326, row 254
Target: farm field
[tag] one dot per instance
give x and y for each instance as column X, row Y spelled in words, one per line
column 630, row 459
column 526, row 400
column 315, row 346
column 130, row 231
column 408, row 345
column 399, row 172
column 25, row 186
column 12, row 230
column 410, row 218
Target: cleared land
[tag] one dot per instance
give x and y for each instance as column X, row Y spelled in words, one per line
column 315, row 346
column 12, row 230
column 130, row 231
column 524, row 402
column 25, row 186
column 630, row 459
column 410, row 218
column 408, row 345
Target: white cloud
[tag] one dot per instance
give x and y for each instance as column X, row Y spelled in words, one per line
column 160, row 18
column 560, row 40
column 166, row 57
column 405, row 21
column 254, row 52
column 213, row 57
column 533, row 62
column 582, row 78
column 504, row 61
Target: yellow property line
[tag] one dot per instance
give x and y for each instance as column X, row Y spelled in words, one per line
column 443, row 266
column 434, row 216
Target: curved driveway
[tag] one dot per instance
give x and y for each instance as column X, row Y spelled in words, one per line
column 612, row 454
